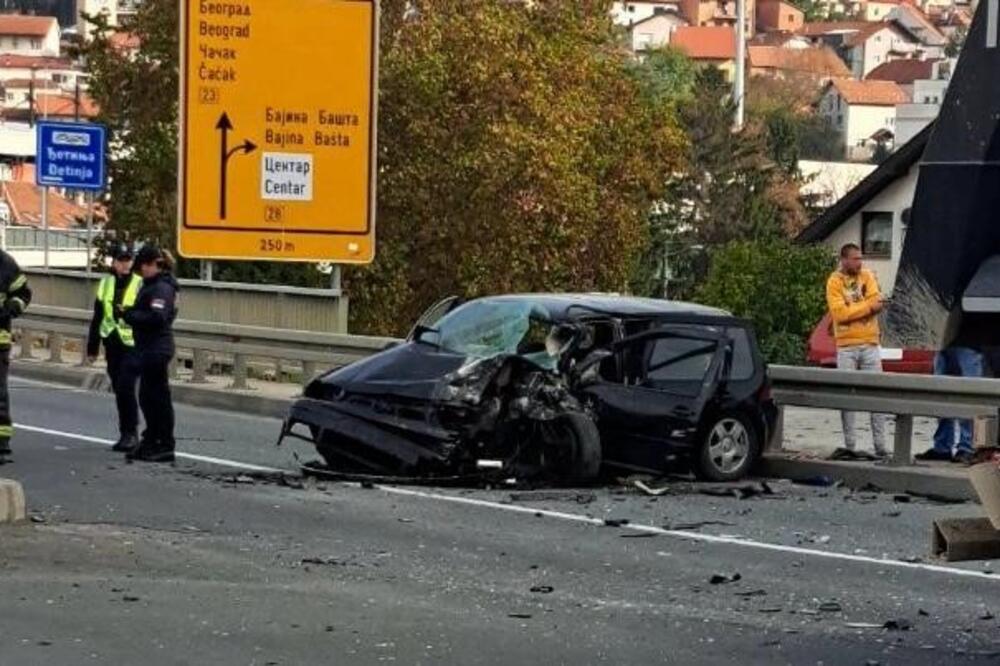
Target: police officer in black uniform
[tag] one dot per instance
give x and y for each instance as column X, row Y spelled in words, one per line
column 151, row 319
column 117, row 292
column 15, row 295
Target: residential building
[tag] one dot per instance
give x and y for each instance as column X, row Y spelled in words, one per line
column 915, row 22
column 865, row 46
column 863, row 112
column 819, row 63
column 925, row 101
column 59, row 72
column 630, row 13
column 29, row 35
column 785, row 40
column 708, row 45
column 93, row 8
column 950, row 20
column 654, row 32
column 903, row 72
column 718, row 13
column 874, row 214
column 779, row 16
column 64, row 11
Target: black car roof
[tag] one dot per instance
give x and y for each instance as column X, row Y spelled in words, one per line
column 574, row 306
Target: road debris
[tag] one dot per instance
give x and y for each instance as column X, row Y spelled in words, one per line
column 721, row 579
column 830, row 607
column 553, row 496
column 641, row 485
column 819, row 481
column 542, row 589
column 897, row 625
column 520, row 616
column 615, row 522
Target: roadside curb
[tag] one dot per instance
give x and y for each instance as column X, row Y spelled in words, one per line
column 925, row 481
column 246, row 402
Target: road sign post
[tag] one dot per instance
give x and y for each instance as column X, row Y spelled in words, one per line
column 277, row 158
column 71, row 156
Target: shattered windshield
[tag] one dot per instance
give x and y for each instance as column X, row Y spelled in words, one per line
column 482, row 329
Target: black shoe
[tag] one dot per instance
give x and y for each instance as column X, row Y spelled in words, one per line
column 843, row 454
column 126, row 443
column 934, row 454
column 963, row 457
column 143, row 447
column 152, row 454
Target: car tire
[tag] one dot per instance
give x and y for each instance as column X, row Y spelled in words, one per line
column 580, row 459
column 729, row 448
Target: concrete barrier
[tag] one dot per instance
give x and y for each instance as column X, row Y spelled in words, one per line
column 12, row 506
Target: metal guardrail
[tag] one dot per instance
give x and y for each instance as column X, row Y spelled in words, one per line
column 901, row 395
column 205, row 343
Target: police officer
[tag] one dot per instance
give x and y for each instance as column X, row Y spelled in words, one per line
column 115, row 293
column 14, row 299
column 151, row 319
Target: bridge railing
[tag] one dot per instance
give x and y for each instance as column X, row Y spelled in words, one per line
column 204, row 344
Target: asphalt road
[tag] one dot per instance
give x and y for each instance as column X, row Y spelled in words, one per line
column 182, row 564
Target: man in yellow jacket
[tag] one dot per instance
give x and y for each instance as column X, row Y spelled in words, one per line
column 854, row 301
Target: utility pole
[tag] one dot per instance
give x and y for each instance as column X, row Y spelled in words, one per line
column 739, row 92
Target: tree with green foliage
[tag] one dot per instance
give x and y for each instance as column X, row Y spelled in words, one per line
column 516, row 153
column 777, row 285
column 137, row 97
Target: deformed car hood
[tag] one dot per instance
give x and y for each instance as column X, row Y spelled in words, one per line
column 410, row 370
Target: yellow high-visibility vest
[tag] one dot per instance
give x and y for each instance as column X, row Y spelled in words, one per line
column 106, row 295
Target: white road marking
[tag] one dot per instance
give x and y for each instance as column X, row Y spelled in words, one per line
column 575, row 517
column 187, row 456
column 694, row 536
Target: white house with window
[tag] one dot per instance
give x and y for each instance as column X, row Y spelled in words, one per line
column 863, row 112
column 928, row 95
column 630, row 13
column 655, row 32
column 29, row 35
column 875, row 212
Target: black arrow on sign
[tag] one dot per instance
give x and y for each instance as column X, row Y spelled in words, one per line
column 224, row 126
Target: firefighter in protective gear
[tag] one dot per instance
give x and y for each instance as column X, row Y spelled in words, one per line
column 14, row 299
column 116, row 293
column 152, row 318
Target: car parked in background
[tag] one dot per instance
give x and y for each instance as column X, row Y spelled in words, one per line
column 823, row 352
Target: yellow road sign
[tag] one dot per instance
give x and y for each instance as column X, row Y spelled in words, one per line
column 277, row 144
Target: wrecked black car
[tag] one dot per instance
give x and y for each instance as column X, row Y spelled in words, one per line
column 547, row 385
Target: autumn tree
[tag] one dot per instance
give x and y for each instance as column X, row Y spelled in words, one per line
column 516, row 153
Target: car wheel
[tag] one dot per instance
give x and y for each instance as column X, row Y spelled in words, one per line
column 571, row 449
column 728, row 449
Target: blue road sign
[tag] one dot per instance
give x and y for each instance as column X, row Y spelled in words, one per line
column 70, row 155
